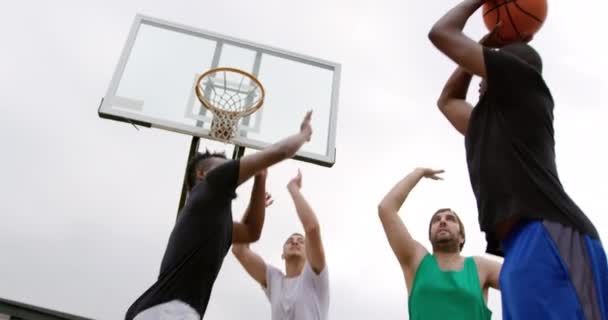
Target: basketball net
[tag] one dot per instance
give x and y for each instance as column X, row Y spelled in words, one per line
column 229, row 94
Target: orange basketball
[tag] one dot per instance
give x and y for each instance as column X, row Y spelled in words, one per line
column 519, row 17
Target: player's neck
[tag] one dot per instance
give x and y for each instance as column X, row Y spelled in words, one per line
column 449, row 260
column 294, row 267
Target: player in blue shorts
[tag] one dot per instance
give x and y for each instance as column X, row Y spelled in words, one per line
column 555, row 266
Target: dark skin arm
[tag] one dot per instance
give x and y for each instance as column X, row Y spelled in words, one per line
column 448, row 37
column 250, row 227
column 250, row 165
column 452, row 102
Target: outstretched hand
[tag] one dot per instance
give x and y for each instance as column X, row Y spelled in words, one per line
column 305, row 127
column 430, row 173
column 296, row 182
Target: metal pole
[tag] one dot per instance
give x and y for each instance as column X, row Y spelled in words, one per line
column 191, row 154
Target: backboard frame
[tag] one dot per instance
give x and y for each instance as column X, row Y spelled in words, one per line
column 108, row 112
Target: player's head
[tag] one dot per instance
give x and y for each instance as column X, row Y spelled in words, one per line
column 446, row 231
column 526, row 53
column 201, row 164
column 294, row 247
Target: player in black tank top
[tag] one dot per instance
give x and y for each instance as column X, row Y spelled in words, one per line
column 204, row 230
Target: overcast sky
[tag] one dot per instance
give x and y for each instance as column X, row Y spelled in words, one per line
column 88, row 204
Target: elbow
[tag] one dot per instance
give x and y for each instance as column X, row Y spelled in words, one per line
column 382, row 210
column 255, row 235
column 434, row 35
column 441, row 102
column 439, row 37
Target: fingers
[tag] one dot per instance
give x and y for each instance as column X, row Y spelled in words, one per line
column 308, row 116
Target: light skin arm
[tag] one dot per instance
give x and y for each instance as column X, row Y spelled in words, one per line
column 252, row 262
column 250, row 227
column 315, row 254
column 408, row 251
column 490, row 271
column 284, row 149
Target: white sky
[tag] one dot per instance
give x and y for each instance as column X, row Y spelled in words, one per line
column 88, row 204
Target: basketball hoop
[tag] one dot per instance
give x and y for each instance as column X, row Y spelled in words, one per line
column 229, row 94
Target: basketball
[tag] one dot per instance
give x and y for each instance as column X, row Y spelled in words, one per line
column 519, row 17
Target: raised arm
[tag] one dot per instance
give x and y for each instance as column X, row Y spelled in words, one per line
column 250, row 227
column 448, row 37
column 452, row 102
column 490, row 272
column 408, row 251
column 284, row 149
column 315, row 253
column 251, row 262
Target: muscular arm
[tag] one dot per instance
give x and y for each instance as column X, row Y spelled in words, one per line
column 452, row 102
column 284, row 149
column 250, row 227
column 315, row 253
column 407, row 250
column 448, row 37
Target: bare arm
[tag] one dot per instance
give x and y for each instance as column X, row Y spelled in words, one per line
column 408, row 251
column 452, row 102
column 252, row 262
column 250, row 227
column 284, row 149
column 315, row 253
column 448, row 37
column 491, row 272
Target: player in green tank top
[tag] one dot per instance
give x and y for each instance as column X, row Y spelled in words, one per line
column 444, row 284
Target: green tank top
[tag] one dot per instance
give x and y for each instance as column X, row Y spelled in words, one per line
column 442, row 295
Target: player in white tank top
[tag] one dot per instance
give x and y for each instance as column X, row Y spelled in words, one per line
column 302, row 291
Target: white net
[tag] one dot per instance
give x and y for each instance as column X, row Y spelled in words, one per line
column 229, row 94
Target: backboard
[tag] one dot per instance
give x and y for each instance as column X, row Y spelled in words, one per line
column 154, row 86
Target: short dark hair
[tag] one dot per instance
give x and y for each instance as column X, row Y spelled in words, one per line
column 525, row 52
column 197, row 163
column 462, row 233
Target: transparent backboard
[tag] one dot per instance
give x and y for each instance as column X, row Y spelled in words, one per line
column 153, row 85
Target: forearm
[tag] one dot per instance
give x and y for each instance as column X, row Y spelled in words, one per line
column 253, row 218
column 305, row 212
column 455, row 19
column 250, row 165
column 288, row 147
column 393, row 201
column 456, row 87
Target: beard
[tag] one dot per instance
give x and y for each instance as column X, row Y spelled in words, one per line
column 445, row 244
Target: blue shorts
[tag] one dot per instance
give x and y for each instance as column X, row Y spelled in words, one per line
column 551, row 271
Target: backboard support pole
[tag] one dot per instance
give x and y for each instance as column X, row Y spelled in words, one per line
column 191, row 154
column 238, row 152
